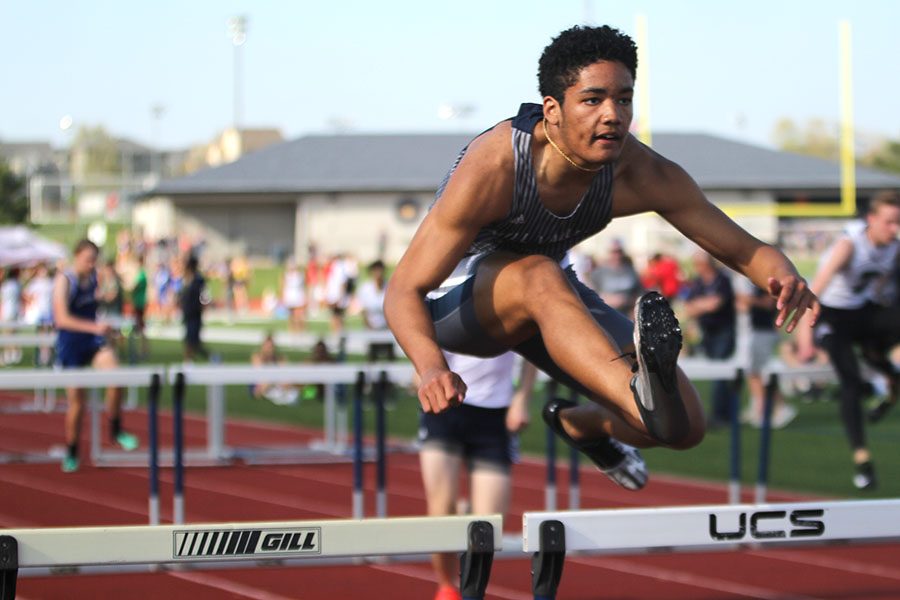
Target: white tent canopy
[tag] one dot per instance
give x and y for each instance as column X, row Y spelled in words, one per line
column 19, row 246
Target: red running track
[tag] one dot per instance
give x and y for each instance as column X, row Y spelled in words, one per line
column 40, row 495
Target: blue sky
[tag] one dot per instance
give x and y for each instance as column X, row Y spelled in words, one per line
column 715, row 66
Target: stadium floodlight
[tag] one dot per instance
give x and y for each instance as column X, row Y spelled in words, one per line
column 237, row 30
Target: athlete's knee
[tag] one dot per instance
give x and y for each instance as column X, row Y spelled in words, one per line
column 105, row 359
column 542, row 279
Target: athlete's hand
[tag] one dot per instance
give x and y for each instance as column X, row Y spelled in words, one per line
column 517, row 417
column 794, row 299
column 441, row 389
column 103, row 329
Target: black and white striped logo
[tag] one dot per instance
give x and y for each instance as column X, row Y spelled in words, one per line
column 221, row 543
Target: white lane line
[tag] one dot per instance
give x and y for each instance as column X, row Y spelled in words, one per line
column 226, row 585
column 691, row 579
column 827, row 562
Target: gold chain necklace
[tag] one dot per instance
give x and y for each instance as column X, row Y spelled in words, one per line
column 564, row 155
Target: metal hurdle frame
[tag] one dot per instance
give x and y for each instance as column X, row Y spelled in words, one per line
column 45, row 397
column 334, row 446
column 24, row 379
column 478, row 537
column 550, row 535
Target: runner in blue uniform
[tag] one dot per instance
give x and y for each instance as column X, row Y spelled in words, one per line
column 82, row 342
column 516, row 199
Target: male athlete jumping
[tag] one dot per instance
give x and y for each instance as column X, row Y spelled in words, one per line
column 516, row 199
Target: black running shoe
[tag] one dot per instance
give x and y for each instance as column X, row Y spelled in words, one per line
column 877, row 412
column 885, row 404
column 864, row 479
column 657, row 342
column 620, row 462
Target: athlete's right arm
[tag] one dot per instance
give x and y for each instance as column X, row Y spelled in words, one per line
column 478, row 193
column 62, row 318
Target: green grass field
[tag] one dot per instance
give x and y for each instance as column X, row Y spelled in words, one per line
column 811, row 455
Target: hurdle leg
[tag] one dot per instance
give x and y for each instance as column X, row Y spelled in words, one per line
column 330, row 428
column 734, row 483
column 9, row 567
column 93, row 407
column 153, row 417
column 358, row 499
column 381, row 455
column 475, row 563
column 574, row 475
column 550, row 487
column 765, row 441
column 547, row 563
column 178, row 459
column 215, row 422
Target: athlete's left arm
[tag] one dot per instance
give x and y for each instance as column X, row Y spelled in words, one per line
column 679, row 200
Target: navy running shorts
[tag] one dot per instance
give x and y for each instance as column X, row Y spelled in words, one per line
column 79, row 352
column 458, row 329
column 477, row 434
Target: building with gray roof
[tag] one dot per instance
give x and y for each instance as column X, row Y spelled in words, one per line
column 366, row 193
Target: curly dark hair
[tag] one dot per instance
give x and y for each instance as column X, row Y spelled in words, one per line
column 578, row 47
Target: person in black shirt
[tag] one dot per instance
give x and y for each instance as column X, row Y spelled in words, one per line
column 764, row 337
column 193, row 299
column 710, row 300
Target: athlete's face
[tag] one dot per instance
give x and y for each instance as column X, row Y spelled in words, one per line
column 597, row 112
column 85, row 262
column 884, row 224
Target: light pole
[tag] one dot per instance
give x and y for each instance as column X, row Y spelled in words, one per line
column 237, row 30
column 157, row 110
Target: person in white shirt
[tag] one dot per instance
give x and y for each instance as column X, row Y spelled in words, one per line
column 11, row 309
column 370, row 298
column 38, row 296
column 480, row 433
column 339, row 289
column 293, row 294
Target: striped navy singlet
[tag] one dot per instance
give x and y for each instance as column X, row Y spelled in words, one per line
column 530, row 228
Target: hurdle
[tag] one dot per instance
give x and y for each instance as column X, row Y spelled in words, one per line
column 772, row 372
column 380, row 374
column 24, row 379
column 332, row 447
column 44, row 396
column 550, row 535
column 258, row 542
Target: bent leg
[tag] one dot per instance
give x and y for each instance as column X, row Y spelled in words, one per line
column 532, row 305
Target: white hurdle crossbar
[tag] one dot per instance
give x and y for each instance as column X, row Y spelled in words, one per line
column 713, row 527
column 478, row 537
column 253, row 541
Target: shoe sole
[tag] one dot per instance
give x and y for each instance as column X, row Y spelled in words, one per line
column 657, row 341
